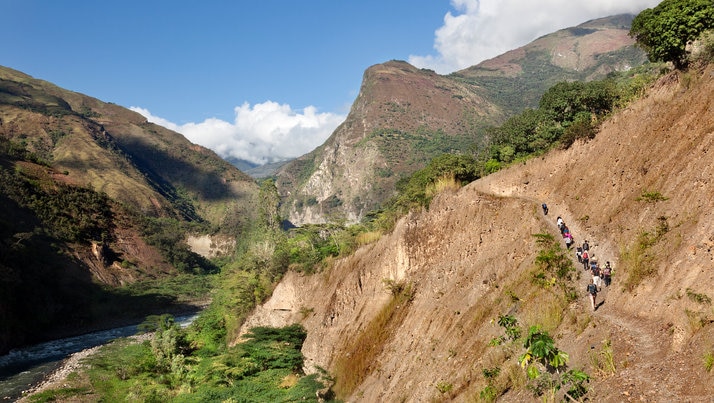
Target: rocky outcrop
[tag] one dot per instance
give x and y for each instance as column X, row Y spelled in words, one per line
column 405, row 116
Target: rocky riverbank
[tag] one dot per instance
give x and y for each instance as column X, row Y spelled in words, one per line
column 74, row 363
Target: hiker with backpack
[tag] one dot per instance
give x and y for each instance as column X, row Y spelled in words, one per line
column 568, row 240
column 595, row 271
column 586, row 245
column 606, row 273
column 592, row 292
column 560, row 223
column 545, row 208
column 586, row 260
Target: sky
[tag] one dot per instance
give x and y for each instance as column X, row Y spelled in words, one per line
column 263, row 80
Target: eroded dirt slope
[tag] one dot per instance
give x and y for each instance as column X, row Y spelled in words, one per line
column 474, row 248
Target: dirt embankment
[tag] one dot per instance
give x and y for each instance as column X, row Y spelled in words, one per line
column 646, row 179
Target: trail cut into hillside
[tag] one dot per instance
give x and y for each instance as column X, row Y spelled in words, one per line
column 640, row 193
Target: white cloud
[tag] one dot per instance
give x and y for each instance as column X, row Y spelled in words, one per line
column 263, row 133
column 487, row 28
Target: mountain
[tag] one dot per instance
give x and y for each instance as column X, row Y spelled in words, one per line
column 415, row 315
column 254, row 170
column 404, row 116
column 95, row 197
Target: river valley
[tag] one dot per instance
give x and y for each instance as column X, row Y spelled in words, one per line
column 24, row 368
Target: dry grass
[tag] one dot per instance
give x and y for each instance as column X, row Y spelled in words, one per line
column 367, row 238
column 444, row 183
column 603, row 361
column 637, row 262
column 544, row 309
column 359, row 356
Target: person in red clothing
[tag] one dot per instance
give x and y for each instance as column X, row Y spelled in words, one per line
column 586, row 260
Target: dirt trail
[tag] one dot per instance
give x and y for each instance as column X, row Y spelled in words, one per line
column 639, row 379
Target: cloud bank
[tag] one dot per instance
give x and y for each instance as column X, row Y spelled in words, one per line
column 483, row 29
column 262, row 133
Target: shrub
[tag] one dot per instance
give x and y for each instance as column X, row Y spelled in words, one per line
column 708, row 361
column 651, row 197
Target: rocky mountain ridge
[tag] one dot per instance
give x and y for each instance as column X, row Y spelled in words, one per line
column 639, row 192
column 404, row 116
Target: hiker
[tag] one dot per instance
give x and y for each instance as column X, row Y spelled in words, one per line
column 579, row 254
column 545, row 208
column 586, row 245
column 569, row 240
column 565, row 231
column 561, row 223
column 596, row 275
column 586, row 259
column 592, row 290
column 606, row 273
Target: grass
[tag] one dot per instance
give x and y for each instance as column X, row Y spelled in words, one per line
column 638, row 258
column 603, row 361
column 548, row 312
column 442, row 184
column 708, row 361
column 697, row 320
column 358, row 358
column 58, row 395
column 265, row 367
column 366, row 238
column 698, row 298
column 651, row 197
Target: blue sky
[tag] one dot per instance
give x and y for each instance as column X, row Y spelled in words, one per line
column 263, row 80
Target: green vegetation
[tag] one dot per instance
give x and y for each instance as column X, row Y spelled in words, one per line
column 197, row 363
column 544, row 364
column 172, row 367
column 708, row 361
column 553, row 266
column 651, row 197
column 568, row 112
column 698, row 297
column 664, row 31
column 352, row 366
column 638, row 257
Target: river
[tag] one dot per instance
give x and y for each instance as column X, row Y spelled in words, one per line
column 21, row 369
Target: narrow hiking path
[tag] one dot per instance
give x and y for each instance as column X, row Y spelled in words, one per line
column 639, row 343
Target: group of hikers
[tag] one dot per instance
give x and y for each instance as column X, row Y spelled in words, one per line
column 599, row 275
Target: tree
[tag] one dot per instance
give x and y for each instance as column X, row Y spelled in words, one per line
column 269, row 205
column 664, row 31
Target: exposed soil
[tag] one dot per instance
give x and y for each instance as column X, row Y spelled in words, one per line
column 473, row 248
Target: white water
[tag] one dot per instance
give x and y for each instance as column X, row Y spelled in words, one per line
column 23, row 368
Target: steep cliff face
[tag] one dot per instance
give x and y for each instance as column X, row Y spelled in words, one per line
column 640, row 193
column 405, row 116
column 402, row 116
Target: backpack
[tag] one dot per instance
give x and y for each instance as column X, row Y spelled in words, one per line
column 592, row 289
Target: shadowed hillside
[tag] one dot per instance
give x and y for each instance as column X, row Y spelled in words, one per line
column 95, row 199
column 412, row 316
